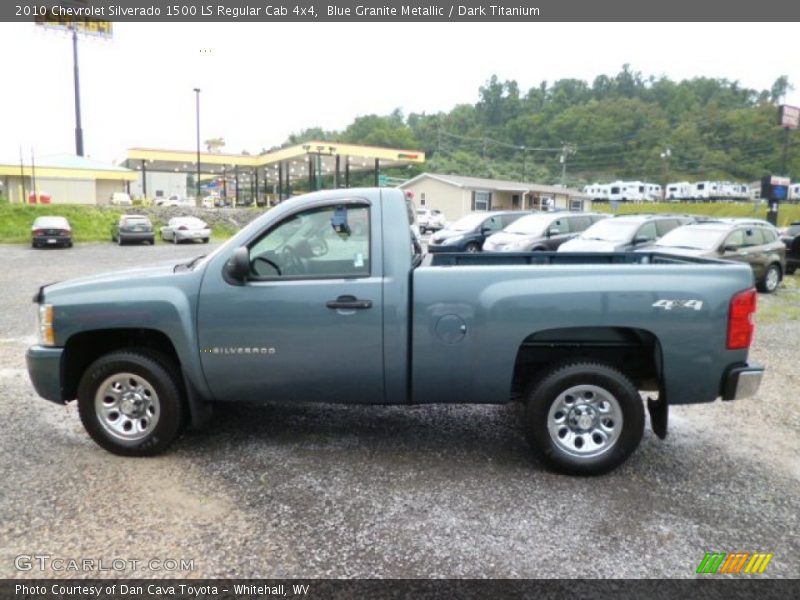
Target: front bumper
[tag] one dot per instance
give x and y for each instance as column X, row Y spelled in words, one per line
column 742, row 382
column 44, row 369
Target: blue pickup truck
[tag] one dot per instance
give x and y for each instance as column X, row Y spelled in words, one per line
column 326, row 298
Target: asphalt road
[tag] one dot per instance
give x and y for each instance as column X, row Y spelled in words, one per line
column 440, row 491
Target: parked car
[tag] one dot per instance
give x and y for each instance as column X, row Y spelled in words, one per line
column 120, row 199
column 430, row 219
column 186, row 229
column 51, row 231
column 132, row 228
column 540, row 231
column 624, row 233
column 750, row 242
column 469, row 232
column 173, row 200
column 320, row 298
column 791, row 239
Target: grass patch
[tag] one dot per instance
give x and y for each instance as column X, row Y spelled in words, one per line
column 89, row 223
column 787, row 213
column 782, row 306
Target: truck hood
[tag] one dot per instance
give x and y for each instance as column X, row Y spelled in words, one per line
column 115, row 279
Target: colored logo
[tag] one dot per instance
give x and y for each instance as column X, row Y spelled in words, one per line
column 718, row 563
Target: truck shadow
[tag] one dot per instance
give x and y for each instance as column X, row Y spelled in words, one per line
column 441, row 432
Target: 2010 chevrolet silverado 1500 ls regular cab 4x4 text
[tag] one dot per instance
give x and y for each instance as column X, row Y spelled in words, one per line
column 326, row 298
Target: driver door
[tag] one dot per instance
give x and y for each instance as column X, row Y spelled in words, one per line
column 307, row 324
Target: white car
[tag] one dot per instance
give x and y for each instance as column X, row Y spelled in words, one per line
column 430, row 219
column 183, row 229
column 120, row 199
column 174, row 200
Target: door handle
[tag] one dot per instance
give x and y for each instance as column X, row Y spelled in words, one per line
column 348, row 302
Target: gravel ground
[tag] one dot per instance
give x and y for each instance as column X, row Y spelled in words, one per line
column 439, row 491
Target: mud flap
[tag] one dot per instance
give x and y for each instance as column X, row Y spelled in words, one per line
column 659, row 415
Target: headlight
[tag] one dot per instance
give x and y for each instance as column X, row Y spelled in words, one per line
column 47, row 336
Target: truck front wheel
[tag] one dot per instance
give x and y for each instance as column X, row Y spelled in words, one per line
column 130, row 403
column 584, row 418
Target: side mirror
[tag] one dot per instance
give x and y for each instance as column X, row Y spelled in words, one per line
column 238, row 265
column 730, row 248
column 640, row 239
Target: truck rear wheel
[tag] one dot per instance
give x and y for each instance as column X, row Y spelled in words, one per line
column 130, row 403
column 584, row 418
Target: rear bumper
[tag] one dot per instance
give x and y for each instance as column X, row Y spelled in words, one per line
column 51, row 240
column 742, row 382
column 193, row 234
column 44, row 369
column 136, row 236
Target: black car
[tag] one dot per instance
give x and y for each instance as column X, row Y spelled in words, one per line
column 540, row 231
column 469, row 232
column 52, row 232
column 133, row 228
column 791, row 239
column 624, row 233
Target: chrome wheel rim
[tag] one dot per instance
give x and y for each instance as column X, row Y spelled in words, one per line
column 127, row 406
column 772, row 279
column 585, row 421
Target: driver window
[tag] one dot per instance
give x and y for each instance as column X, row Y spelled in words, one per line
column 307, row 245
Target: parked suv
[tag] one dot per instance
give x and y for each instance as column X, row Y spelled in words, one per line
column 624, row 233
column 469, row 232
column 430, row 219
column 791, row 239
column 540, row 231
column 756, row 243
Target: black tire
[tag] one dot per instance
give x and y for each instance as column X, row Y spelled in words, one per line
column 771, row 281
column 472, row 247
column 790, row 270
column 69, row 244
column 156, row 371
column 205, row 240
column 612, row 385
column 34, row 245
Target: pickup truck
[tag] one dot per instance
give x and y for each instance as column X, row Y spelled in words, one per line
column 326, row 298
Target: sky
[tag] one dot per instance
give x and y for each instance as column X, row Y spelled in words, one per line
column 261, row 82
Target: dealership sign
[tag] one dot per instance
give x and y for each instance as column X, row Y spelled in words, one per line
column 789, row 116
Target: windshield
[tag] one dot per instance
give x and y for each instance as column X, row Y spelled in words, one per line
column 611, row 230
column 686, row 237
column 529, row 225
column 469, row 222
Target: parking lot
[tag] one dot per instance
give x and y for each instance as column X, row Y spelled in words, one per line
column 433, row 491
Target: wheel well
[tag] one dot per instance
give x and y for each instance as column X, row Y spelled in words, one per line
column 82, row 349
column 634, row 352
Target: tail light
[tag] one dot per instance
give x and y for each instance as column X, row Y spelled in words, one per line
column 741, row 322
column 38, row 232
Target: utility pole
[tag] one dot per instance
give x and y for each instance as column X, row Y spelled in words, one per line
column 566, row 151
column 524, row 156
column 197, row 199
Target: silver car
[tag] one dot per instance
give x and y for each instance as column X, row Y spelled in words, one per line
column 181, row 229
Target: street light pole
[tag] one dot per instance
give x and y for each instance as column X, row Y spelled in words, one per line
column 665, row 157
column 76, row 81
column 197, row 200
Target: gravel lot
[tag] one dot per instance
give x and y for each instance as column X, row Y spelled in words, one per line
column 440, row 491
